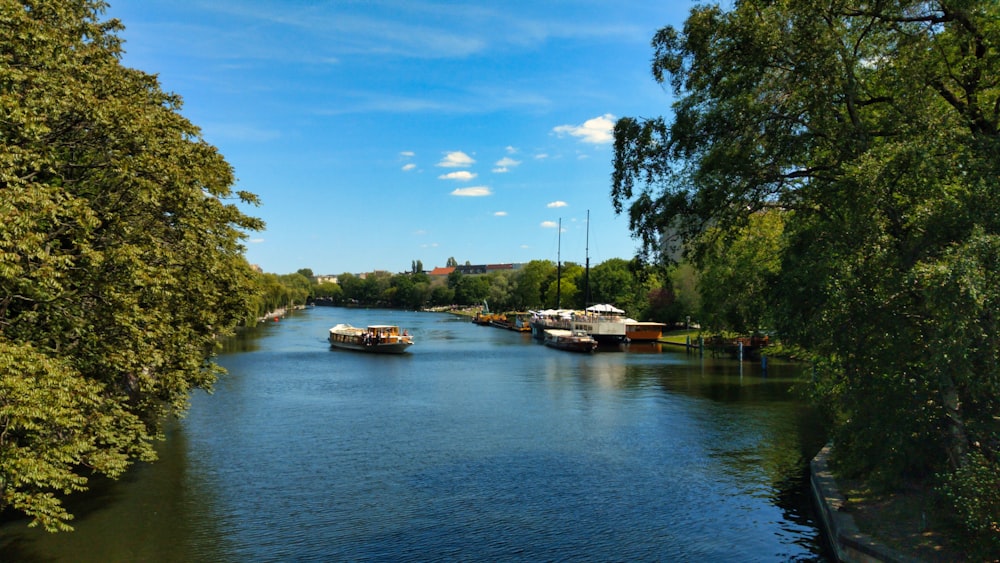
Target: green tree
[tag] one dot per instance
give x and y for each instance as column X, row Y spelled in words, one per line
column 331, row 291
column 299, row 289
column 612, row 282
column 470, row 290
column 685, row 299
column 120, row 256
column 528, row 282
column 375, row 287
column 876, row 127
column 501, row 287
column 737, row 274
column 562, row 290
column 442, row 295
column 353, row 287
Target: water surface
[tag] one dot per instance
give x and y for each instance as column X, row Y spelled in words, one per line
column 478, row 445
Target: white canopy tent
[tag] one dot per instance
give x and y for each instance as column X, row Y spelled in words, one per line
column 604, row 308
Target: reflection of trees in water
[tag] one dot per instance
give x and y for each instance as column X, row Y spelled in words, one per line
column 245, row 340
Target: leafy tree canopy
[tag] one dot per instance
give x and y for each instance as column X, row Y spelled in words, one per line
column 120, row 255
column 873, row 127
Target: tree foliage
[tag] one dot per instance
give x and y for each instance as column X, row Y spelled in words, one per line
column 737, row 271
column 632, row 285
column 120, row 257
column 873, row 126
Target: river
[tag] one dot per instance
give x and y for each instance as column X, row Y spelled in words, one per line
column 478, row 445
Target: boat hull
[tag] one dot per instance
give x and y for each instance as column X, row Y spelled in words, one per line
column 395, row 348
column 570, row 341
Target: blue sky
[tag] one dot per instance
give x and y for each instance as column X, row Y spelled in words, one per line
column 377, row 133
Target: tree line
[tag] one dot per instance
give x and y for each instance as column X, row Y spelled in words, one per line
column 637, row 288
column 843, row 159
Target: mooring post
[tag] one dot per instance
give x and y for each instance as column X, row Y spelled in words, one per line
column 740, row 346
column 763, row 364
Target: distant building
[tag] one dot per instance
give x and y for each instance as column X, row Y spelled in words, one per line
column 473, row 270
column 327, row 279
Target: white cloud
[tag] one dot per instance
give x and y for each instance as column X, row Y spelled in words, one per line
column 505, row 164
column 256, row 240
column 408, row 167
column 557, row 204
column 461, row 176
column 597, row 130
column 541, row 156
column 408, row 154
column 550, row 225
column 511, row 150
column 500, row 214
column 477, row 191
column 456, row 159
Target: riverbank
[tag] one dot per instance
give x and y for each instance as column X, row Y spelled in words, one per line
column 864, row 527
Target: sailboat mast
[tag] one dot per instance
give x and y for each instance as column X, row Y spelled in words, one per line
column 559, row 268
column 586, row 279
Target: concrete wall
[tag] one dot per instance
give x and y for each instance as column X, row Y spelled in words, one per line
column 848, row 543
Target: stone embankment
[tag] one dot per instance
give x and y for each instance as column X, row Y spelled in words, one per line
column 848, row 543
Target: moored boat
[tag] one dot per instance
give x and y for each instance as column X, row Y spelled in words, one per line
column 379, row 339
column 541, row 321
column 569, row 340
column 519, row 321
column 606, row 323
column 643, row 331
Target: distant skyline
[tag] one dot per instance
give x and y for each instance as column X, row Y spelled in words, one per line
column 380, row 133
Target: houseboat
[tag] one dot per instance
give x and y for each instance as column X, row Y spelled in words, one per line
column 378, row 339
column 570, row 340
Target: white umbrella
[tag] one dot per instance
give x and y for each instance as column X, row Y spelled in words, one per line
column 604, row 308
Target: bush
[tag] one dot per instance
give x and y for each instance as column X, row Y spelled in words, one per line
column 974, row 494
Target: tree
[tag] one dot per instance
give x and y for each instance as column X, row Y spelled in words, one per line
column 298, row 287
column 120, row 256
column 471, row 289
column 874, row 126
column 329, row 291
column 451, row 263
column 685, row 299
column 737, row 272
column 529, row 284
column 501, row 286
column 353, row 286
